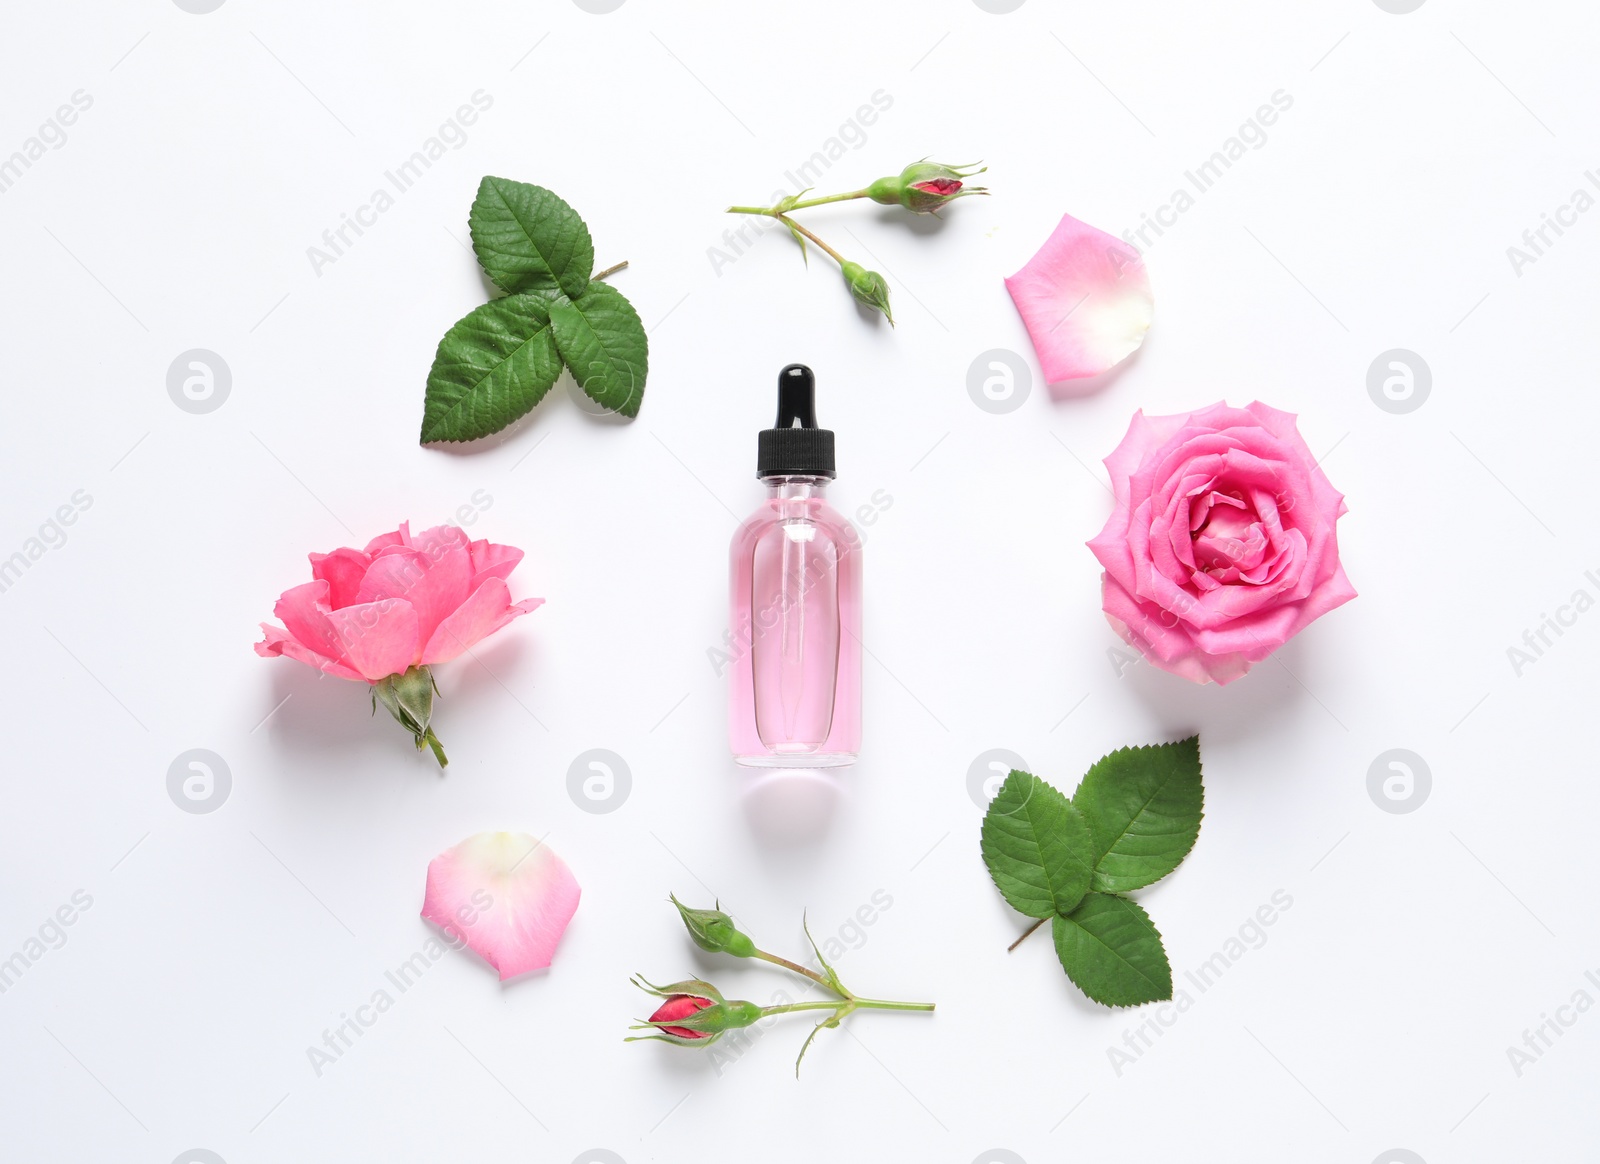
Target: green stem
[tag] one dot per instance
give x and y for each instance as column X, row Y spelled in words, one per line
column 864, row 192
column 792, row 1007
column 611, row 270
column 846, row 1006
column 438, row 749
column 880, row 1004
column 797, row 968
column 774, row 212
column 793, row 225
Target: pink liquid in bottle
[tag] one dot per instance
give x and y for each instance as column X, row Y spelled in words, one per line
column 795, row 581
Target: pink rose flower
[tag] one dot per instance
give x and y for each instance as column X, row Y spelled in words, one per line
column 385, row 614
column 1222, row 545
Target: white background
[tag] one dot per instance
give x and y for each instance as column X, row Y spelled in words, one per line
column 1378, row 1012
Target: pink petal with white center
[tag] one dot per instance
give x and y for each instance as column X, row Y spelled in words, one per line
column 1085, row 300
column 506, row 896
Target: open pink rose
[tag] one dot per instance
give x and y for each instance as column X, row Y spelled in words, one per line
column 386, row 613
column 1222, row 544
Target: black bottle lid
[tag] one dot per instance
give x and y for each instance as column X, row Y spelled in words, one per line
column 795, row 446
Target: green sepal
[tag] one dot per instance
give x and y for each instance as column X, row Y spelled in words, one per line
column 409, row 698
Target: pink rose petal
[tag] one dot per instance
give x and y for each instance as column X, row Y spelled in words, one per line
column 486, row 611
column 275, row 642
column 506, row 895
column 492, row 561
column 304, row 610
column 399, row 537
column 1085, row 299
column 434, row 585
column 342, row 570
column 379, row 638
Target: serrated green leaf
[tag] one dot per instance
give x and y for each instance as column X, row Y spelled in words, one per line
column 601, row 339
column 1112, row 952
column 1036, row 846
column 491, row 367
column 1143, row 807
column 528, row 239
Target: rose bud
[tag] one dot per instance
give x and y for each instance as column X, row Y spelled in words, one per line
column 925, row 186
column 693, row 1014
column 868, row 287
column 714, row 931
column 680, row 1006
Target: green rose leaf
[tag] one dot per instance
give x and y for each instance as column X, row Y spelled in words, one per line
column 528, row 239
column 1143, row 808
column 600, row 337
column 491, row 367
column 1112, row 953
column 1037, row 847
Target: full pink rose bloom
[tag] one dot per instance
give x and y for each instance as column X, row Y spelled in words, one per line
column 385, row 613
column 1222, row 544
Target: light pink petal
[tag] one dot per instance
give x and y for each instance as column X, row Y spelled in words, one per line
column 506, row 895
column 278, row 642
column 1085, row 300
column 492, row 561
column 477, row 618
column 342, row 570
column 379, row 638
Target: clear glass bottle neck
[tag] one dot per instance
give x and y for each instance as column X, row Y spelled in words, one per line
column 795, row 487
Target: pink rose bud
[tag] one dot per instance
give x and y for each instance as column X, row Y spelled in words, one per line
column 925, row 186
column 693, row 1013
column 680, row 1006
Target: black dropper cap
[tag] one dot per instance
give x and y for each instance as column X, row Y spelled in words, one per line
column 795, row 446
